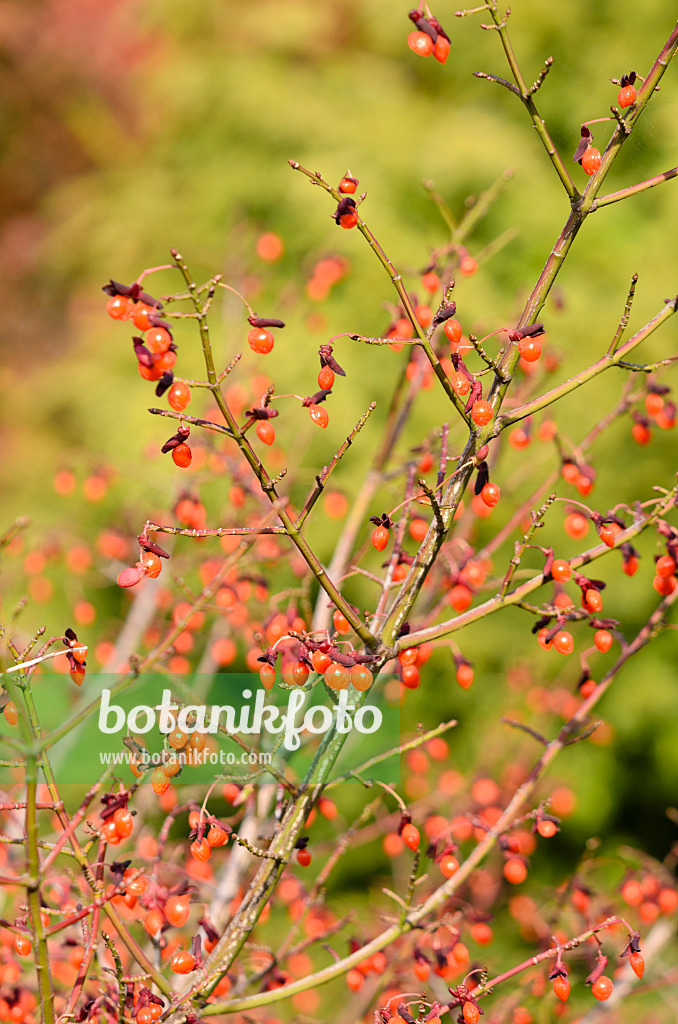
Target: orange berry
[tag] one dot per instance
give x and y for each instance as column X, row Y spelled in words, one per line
column 515, row 870
column 602, row 988
column 420, row 43
column 481, row 412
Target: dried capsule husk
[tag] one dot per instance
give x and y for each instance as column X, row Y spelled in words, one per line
column 144, row 356
column 531, row 331
column 346, row 205
column 584, row 143
column 165, row 383
column 261, row 413
column 176, row 439
column 149, row 545
column 422, row 23
column 131, row 291
column 482, row 478
column 317, row 398
column 444, row 314
column 327, row 359
column 262, row 321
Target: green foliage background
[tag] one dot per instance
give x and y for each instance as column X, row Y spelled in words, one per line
column 132, row 125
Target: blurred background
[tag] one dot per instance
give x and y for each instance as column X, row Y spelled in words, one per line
column 129, row 126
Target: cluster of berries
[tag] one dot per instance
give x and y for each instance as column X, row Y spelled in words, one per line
column 430, row 38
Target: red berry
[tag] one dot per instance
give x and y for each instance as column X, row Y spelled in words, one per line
column 150, row 372
column 217, row 836
column 630, row 565
column 468, row 266
column 546, row 828
column 561, row 987
column 260, row 340
column 303, row 858
column 515, row 870
column 460, row 597
column 665, row 566
column 182, row 456
column 154, row 921
column 591, row 160
column 158, row 340
column 130, row 577
column 421, row 971
column 10, row 712
column 348, row 220
column 179, row 395
column 576, row 525
column 355, row 980
column 420, row 43
column 448, row 865
column 530, row 349
column 452, row 329
column 608, row 533
column 182, row 962
column 141, row 314
column 664, row 585
column 201, row 850
column 592, row 601
column 418, row 529
column 319, row 415
column 145, row 1015
column 22, row 945
column 348, row 185
column 563, row 642
column 265, row 431
column 641, row 433
column 441, row 49
column 299, row 673
column 637, row 964
column 267, row 676
column 380, row 537
column 124, row 822
column 470, row 1013
column 177, row 910
column 410, row 836
column 410, row 676
column 626, row 96
column 465, row 676
column 430, row 281
column 361, row 677
column 560, row 570
column 165, row 361
column 119, row 307
column 491, row 494
column 337, row 676
column 482, row 933
column 603, row 988
column 326, row 378
column 152, row 564
column 159, row 781
column 341, row 623
column 460, row 383
column 481, row 412
column 603, row 640
column 321, row 661
column 654, row 403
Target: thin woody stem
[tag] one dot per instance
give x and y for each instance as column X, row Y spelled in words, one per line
column 634, row 190
column 257, row 467
column 514, row 597
column 607, row 361
column 397, row 282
